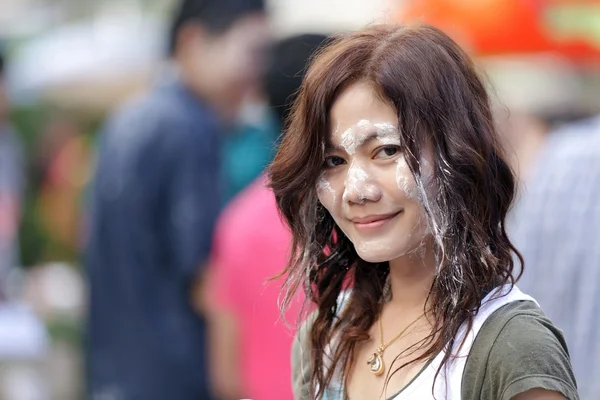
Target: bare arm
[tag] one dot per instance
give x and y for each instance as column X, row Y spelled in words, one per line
column 539, row 394
column 223, row 340
column 224, row 353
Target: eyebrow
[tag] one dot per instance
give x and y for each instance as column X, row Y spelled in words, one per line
column 338, row 147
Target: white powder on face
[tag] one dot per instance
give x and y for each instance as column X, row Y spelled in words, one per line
column 389, row 250
column 387, row 134
column 324, row 185
column 356, row 183
column 426, row 189
column 363, row 123
column 356, row 135
column 404, row 179
column 422, row 229
column 435, row 224
column 386, row 129
column 348, row 141
column 367, row 247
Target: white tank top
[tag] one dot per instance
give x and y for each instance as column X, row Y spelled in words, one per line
column 448, row 384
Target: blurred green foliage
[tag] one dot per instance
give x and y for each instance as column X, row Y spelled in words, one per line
column 29, row 122
column 37, row 245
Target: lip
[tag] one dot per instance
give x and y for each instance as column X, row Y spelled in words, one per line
column 372, row 222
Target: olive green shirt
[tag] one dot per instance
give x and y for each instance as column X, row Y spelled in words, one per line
column 517, row 349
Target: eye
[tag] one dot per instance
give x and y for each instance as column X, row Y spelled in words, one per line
column 387, row 152
column 333, row 161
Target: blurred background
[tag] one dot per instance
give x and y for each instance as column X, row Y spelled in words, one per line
column 68, row 65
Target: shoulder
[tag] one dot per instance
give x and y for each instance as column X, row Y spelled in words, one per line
column 305, row 327
column 518, row 349
column 254, row 207
column 250, row 204
column 302, row 352
column 163, row 111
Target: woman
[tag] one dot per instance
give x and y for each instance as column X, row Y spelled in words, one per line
column 391, row 178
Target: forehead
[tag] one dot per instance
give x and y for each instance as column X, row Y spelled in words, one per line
column 359, row 103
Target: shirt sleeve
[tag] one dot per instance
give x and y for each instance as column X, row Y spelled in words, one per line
column 528, row 353
column 193, row 199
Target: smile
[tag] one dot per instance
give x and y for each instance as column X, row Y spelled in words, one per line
column 373, row 222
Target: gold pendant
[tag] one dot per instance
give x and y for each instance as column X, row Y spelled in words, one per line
column 376, row 364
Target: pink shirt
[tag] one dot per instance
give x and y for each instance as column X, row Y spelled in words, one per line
column 252, row 245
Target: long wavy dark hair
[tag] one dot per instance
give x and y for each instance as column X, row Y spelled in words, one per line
column 441, row 105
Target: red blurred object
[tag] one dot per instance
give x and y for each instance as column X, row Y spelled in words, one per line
column 494, row 27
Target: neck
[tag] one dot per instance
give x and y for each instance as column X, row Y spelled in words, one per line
column 188, row 78
column 411, row 277
column 201, row 89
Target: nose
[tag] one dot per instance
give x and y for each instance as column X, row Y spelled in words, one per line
column 359, row 186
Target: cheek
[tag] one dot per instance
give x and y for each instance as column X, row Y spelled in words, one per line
column 329, row 195
column 405, row 180
column 325, row 199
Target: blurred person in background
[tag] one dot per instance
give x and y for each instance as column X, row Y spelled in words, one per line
column 62, row 168
column 532, row 94
column 556, row 226
column 23, row 338
column 555, row 149
column 153, row 205
column 12, row 180
column 249, row 148
column 250, row 344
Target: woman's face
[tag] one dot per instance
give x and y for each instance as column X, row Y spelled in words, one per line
column 366, row 184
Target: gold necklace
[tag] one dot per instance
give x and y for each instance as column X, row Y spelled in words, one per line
column 375, row 362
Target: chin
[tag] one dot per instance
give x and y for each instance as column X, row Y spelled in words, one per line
column 373, row 256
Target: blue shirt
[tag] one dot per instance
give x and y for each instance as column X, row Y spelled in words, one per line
column 152, row 209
